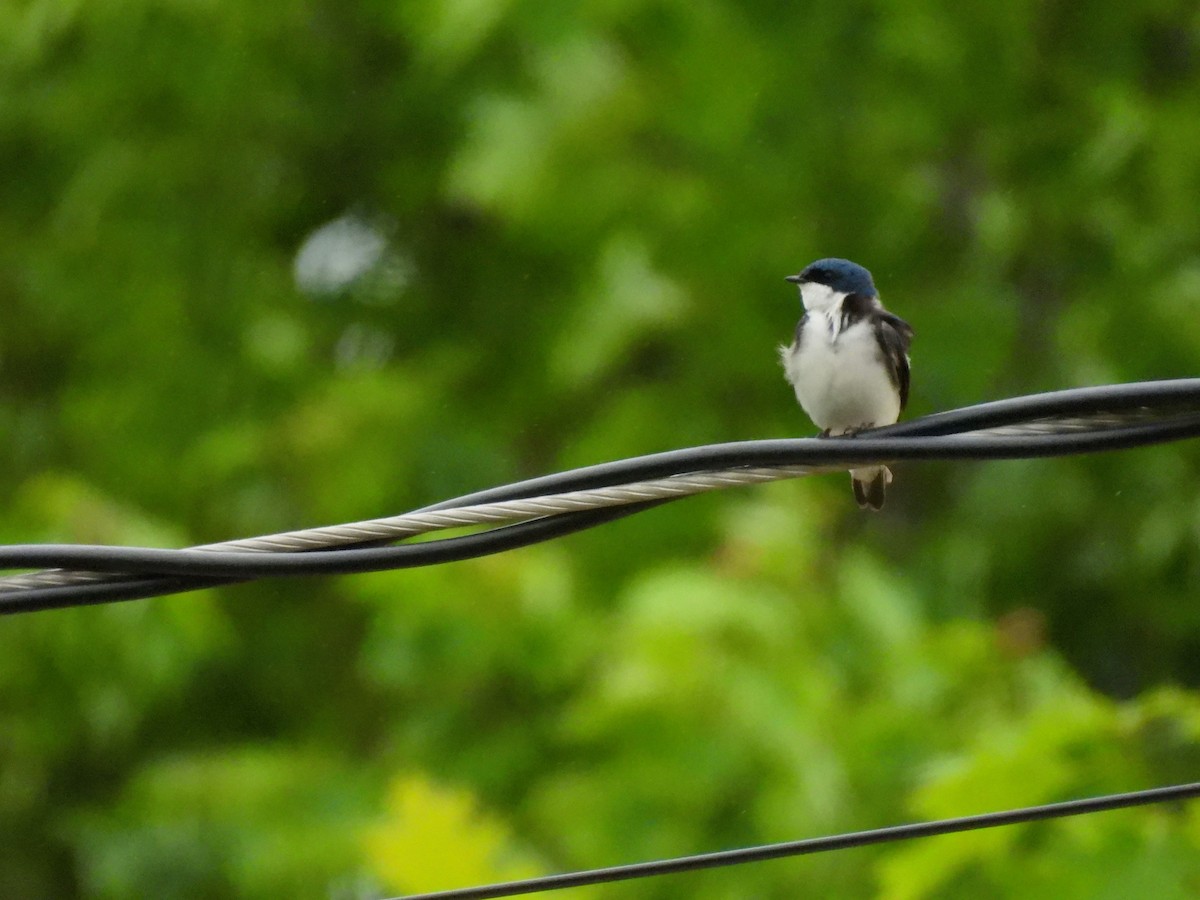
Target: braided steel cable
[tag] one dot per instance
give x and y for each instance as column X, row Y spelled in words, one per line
column 412, row 524
column 1059, row 423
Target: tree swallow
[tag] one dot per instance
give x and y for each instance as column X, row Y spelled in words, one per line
column 849, row 360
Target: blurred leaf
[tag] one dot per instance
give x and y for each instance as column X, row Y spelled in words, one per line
column 436, row 839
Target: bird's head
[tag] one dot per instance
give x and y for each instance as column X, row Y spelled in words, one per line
column 826, row 282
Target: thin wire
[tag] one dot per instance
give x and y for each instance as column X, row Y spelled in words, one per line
column 1059, row 423
column 745, row 855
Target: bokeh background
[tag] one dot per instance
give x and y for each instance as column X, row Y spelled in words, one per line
column 267, row 266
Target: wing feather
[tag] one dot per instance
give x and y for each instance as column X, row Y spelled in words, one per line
column 894, row 337
column 800, row 330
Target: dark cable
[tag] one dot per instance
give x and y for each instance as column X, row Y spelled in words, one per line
column 352, row 559
column 1179, row 398
column 508, row 537
column 1164, row 410
column 745, row 855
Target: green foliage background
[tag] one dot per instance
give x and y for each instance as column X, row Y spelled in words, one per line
column 589, row 209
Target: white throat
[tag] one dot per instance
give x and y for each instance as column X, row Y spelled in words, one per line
column 820, row 297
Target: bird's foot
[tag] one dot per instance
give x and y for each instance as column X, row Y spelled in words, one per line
column 846, row 432
column 858, row 429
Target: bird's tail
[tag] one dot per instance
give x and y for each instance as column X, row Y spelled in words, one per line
column 870, row 485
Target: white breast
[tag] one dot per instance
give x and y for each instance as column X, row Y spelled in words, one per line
column 840, row 379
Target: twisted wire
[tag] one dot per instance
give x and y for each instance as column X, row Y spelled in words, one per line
column 392, row 528
column 1080, row 420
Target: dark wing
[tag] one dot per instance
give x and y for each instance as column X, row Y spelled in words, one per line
column 894, row 336
column 799, row 331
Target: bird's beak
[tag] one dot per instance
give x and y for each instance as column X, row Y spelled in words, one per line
column 794, row 279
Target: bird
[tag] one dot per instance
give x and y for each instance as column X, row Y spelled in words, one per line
column 848, row 362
